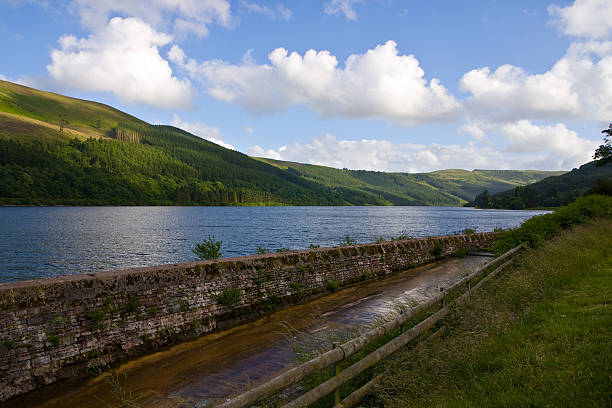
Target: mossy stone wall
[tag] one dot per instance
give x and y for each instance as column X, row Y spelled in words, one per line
column 59, row 328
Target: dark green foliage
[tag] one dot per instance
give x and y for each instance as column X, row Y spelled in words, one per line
column 132, row 305
column 348, row 241
column 403, row 236
column 552, row 191
column 9, row 344
column 97, row 316
column 230, row 296
column 282, row 250
column 483, row 200
column 437, row 250
column 60, row 321
column 603, row 186
column 208, row 249
column 543, row 227
column 469, row 231
column 262, row 250
column 296, row 287
column 367, row 275
column 332, row 285
column 54, row 339
column 603, row 154
column 261, row 278
column 460, row 253
column 273, row 302
column 313, row 246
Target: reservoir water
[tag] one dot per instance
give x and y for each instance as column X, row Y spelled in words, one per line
column 37, row 242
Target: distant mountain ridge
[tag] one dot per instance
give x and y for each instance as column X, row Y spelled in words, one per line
column 442, row 187
column 60, row 150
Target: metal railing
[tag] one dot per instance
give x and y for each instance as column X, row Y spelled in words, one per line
column 343, row 351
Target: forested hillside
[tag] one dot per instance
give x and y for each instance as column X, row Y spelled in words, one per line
column 553, row 191
column 60, row 150
column 443, row 187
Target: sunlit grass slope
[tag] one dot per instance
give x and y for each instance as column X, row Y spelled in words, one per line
column 60, row 150
column 537, row 336
column 90, row 118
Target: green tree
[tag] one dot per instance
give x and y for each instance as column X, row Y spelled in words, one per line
column 483, row 200
column 603, row 154
column 208, row 249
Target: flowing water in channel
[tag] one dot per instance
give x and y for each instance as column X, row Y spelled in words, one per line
column 195, row 373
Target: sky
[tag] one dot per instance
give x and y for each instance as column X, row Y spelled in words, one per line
column 388, row 85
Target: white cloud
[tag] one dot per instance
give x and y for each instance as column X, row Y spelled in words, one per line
column 3, row 78
column 212, row 134
column 562, row 144
column 123, row 59
column 377, row 84
column 584, row 18
column 280, row 12
column 337, row 7
column 373, row 154
column 475, row 129
column 182, row 16
column 283, row 11
column 579, row 85
column 528, row 146
column 249, row 130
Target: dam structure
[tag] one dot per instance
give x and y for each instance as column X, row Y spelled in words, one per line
column 62, row 328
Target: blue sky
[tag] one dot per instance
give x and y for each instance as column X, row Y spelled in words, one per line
column 372, row 84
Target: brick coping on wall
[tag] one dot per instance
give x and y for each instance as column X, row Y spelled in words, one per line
column 102, row 275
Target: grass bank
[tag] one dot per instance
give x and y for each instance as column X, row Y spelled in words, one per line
column 539, row 335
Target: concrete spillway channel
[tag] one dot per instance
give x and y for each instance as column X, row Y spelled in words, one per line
column 217, row 365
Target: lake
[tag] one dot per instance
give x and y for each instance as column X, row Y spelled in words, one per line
column 37, row 242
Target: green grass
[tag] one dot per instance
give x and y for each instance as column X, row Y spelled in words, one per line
column 546, row 226
column 537, row 336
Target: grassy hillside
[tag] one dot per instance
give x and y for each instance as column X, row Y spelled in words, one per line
column 443, row 187
column 537, row 336
column 60, row 150
column 552, row 191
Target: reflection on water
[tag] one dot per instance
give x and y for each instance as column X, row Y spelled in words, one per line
column 50, row 241
column 220, row 364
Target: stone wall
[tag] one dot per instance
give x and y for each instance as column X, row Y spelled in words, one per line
column 59, row 328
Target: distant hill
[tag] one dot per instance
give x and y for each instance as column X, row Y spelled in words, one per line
column 443, row 187
column 60, row 150
column 553, row 191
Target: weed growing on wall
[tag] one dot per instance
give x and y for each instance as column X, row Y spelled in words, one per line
column 208, row 249
column 347, row 241
column 132, row 305
column 229, row 296
column 332, row 285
